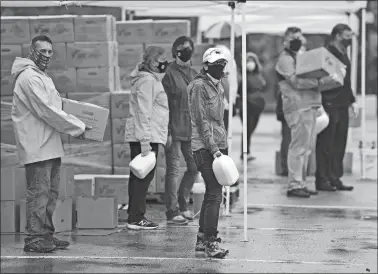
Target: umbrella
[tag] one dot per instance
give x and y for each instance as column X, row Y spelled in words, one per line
column 221, row 30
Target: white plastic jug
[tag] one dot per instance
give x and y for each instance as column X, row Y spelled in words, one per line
column 225, row 170
column 141, row 166
column 198, row 190
column 322, row 120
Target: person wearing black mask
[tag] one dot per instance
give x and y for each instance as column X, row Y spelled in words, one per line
column 179, row 74
column 331, row 143
column 300, row 101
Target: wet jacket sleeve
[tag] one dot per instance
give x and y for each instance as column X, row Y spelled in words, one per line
column 145, row 95
column 168, row 90
column 199, row 112
column 286, row 68
column 40, row 106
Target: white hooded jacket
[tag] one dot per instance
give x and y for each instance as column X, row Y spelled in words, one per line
column 37, row 115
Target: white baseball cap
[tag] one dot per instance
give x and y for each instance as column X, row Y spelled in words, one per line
column 213, row 54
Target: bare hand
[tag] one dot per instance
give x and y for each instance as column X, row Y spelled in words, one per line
column 145, row 149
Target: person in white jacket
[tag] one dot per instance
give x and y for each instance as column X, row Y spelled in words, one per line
column 38, row 120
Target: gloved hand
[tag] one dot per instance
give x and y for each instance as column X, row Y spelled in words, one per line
column 145, row 149
column 82, row 136
column 217, row 154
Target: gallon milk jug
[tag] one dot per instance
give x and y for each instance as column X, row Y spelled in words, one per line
column 322, row 120
column 141, row 166
column 225, row 170
column 198, row 194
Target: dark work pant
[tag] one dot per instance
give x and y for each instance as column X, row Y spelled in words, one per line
column 208, row 222
column 138, row 187
column 252, row 121
column 43, row 179
column 331, row 145
column 285, row 142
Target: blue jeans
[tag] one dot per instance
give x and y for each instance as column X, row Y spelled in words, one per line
column 43, row 179
column 208, row 222
column 178, row 200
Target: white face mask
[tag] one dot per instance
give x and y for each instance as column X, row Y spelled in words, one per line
column 251, row 66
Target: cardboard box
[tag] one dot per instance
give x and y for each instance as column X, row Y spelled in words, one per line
column 335, row 84
column 317, row 63
column 8, row 54
column 13, row 183
column 91, row 115
column 59, row 28
column 8, row 216
column 160, row 179
column 64, row 79
column 59, row 58
column 117, row 81
column 121, row 154
column 97, row 212
column 62, row 217
column 92, row 54
column 94, row 28
column 130, row 55
column 6, row 83
column 66, row 186
column 7, row 132
column 124, row 76
column 134, row 32
column 112, row 186
column 15, row 30
column 160, row 160
column 119, row 104
column 9, row 156
column 95, row 79
column 89, row 158
column 107, row 136
column 6, row 108
column 99, row 99
column 120, row 170
column 83, row 187
column 166, row 31
column 118, row 130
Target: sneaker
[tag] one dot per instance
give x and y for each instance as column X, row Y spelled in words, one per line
column 188, row 215
column 60, row 244
column 213, row 250
column 178, row 220
column 41, row 246
column 142, row 225
column 311, row 192
column 298, row 192
column 200, row 244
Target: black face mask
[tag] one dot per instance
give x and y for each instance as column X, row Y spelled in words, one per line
column 162, row 67
column 216, row 71
column 184, row 55
column 346, row 42
column 295, row 44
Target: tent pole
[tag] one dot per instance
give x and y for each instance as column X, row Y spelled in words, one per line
column 230, row 98
column 123, row 14
column 244, row 98
column 363, row 91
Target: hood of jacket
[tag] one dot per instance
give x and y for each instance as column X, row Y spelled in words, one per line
column 20, row 64
column 255, row 58
column 139, row 74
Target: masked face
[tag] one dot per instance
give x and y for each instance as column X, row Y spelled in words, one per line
column 295, row 44
column 184, row 54
column 40, row 53
column 346, row 38
column 251, row 66
column 162, row 66
column 346, row 42
column 216, row 69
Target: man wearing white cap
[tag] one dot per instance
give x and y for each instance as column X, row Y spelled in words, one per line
column 209, row 140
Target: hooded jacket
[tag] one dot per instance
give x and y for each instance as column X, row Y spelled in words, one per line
column 206, row 107
column 175, row 82
column 37, row 115
column 297, row 93
column 148, row 117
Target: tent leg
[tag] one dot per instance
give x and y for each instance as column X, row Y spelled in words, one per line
column 363, row 91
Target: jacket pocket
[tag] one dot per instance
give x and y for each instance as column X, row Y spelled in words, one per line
column 219, row 134
column 214, row 108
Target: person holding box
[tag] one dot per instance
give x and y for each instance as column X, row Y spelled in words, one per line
column 331, row 143
column 300, row 101
column 38, row 120
column 146, row 127
column 209, row 140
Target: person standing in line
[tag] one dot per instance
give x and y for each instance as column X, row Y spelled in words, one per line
column 146, row 127
column 209, row 140
column 176, row 80
column 38, row 120
column 255, row 99
column 331, row 142
column 300, row 101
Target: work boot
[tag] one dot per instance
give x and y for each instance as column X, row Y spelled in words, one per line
column 311, row 192
column 213, row 250
column 298, row 192
column 60, row 244
column 340, row 186
column 40, row 246
column 324, row 186
column 200, row 244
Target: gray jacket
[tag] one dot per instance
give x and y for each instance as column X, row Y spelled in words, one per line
column 206, row 108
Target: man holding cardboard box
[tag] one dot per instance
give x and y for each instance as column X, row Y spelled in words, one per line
column 300, row 101
column 38, row 120
column 331, row 143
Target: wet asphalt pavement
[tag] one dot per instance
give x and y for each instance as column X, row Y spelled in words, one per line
column 331, row 232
